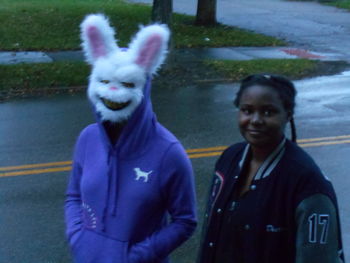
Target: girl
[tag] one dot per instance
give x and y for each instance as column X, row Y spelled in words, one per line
column 269, row 201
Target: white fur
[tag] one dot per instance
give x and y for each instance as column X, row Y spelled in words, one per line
column 102, row 25
column 143, row 35
column 119, row 66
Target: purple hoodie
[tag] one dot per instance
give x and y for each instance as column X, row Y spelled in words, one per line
column 119, row 196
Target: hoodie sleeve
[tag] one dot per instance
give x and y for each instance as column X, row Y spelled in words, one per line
column 177, row 187
column 73, row 198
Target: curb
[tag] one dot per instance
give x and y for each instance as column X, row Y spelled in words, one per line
column 221, row 53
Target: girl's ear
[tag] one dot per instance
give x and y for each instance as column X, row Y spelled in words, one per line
column 149, row 47
column 97, row 37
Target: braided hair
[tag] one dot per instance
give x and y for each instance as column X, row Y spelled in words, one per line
column 283, row 86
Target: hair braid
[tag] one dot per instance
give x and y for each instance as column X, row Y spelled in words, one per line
column 293, row 130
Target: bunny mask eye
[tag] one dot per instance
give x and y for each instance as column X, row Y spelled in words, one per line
column 128, row 84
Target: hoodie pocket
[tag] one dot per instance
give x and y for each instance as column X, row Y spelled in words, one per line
column 142, row 253
column 74, row 240
column 94, row 247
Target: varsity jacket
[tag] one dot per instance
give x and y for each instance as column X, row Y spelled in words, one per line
column 289, row 214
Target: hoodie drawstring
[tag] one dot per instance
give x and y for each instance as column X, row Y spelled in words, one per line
column 112, row 187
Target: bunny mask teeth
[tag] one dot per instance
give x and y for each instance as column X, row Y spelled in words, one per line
column 115, row 106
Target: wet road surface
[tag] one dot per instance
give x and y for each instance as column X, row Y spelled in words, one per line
column 43, row 130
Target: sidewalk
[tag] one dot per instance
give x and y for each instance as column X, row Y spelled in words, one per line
column 229, row 53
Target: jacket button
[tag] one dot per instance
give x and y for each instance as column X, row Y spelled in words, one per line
column 211, row 244
column 219, row 211
column 247, row 227
column 206, row 215
column 236, row 177
column 253, row 187
column 232, row 207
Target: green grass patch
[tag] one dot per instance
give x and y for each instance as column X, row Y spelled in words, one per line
column 46, row 78
column 54, row 25
column 236, row 70
column 340, row 4
column 28, row 78
column 188, row 35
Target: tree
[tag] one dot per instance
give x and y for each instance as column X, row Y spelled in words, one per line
column 206, row 12
column 162, row 11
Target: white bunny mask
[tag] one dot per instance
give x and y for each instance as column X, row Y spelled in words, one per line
column 118, row 76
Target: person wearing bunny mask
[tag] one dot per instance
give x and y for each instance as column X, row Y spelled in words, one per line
column 129, row 172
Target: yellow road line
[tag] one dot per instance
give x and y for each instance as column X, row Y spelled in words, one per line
column 210, row 149
column 29, row 166
column 37, row 171
column 324, row 138
column 303, row 145
column 201, row 155
column 220, row 148
column 323, row 143
column 192, row 154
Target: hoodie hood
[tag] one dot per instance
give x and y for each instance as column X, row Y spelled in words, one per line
column 136, row 132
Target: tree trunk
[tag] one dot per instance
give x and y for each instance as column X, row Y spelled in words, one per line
column 162, row 11
column 206, row 12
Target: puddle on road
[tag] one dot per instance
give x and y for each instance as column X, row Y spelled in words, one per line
column 324, row 95
column 324, row 85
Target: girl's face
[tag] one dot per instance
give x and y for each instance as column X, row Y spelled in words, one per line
column 262, row 117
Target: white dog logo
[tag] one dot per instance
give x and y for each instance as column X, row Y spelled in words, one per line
column 141, row 174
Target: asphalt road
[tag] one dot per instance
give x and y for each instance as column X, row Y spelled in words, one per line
column 43, row 130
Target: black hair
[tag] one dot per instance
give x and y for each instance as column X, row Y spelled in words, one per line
column 283, row 86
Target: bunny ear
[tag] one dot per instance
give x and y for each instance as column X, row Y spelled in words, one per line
column 98, row 37
column 150, row 47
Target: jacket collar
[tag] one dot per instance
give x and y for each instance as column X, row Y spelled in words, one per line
column 269, row 164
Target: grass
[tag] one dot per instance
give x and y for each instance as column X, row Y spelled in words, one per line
column 337, row 3
column 188, row 35
column 236, row 70
column 341, row 4
column 45, row 78
column 54, row 25
column 24, row 79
